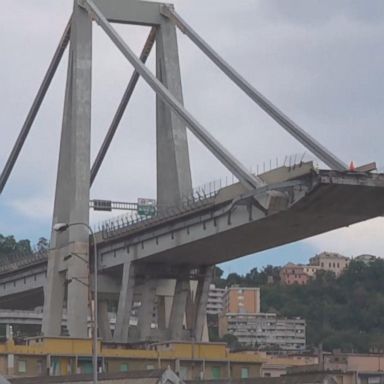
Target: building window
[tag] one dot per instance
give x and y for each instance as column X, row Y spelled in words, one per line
column 244, row 373
column 329, row 265
column 22, row 366
column 39, row 367
column 150, row 367
column 215, row 372
column 124, row 367
column 322, row 264
column 267, row 374
column 338, row 265
column 183, row 373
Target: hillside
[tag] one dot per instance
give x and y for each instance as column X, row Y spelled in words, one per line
column 345, row 313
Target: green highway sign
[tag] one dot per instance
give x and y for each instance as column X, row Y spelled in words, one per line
column 146, row 207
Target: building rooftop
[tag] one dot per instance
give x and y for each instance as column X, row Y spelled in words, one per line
column 147, row 377
column 331, row 255
column 311, row 378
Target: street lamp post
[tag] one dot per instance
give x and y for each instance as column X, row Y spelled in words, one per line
column 60, row 227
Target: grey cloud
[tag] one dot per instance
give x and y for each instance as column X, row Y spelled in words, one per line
column 311, row 12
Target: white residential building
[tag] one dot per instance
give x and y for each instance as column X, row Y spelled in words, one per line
column 215, row 300
column 264, row 330
column 330, row 261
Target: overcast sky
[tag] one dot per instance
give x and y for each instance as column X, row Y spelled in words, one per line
column 320, row 61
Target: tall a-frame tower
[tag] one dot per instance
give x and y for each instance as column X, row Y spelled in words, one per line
column 74, row 171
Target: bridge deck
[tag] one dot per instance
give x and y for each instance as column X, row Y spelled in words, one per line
column 332, row 200
column 337, row 201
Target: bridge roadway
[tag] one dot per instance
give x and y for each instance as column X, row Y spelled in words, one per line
column 296, row 203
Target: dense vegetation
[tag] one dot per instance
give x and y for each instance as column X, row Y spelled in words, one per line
column 344, row 313
column 10, row 247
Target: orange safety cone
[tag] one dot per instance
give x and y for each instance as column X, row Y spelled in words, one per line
column 352, row 167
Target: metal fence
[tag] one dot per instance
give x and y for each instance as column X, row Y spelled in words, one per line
column 16, row 261
column 201, row 196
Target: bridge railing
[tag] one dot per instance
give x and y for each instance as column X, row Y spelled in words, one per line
column 16, row 261
column 201, row 196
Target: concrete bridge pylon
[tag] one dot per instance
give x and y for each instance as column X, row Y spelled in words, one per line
column 70, row 278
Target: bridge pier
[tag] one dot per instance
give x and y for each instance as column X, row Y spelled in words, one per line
column 72, row 190
column 174, row 179
column 201, row 300
column 179, row 304
column 125, row 303
column 53, row 296
column 161, row 302
column 147, row 308
column 103, row 321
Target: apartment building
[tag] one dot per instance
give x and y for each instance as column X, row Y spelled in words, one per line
column 241, row 300
column 311, row 270
column 302, row 274
column 215, row 300
column 242, row 318
column 264, row 330
column 294, row 274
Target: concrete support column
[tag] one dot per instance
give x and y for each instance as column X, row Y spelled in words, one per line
column 49, row 365
column 125, row 303
column 78, row 291
column 201, row 301
column 72, row 188
column 168, row 308
column 8, row 332
column 10, row 364
column 173, row 169
column 147, row 308
column 53, row 296
column 174, row 179
column 103, row 320
column 161, row 315
column 190, row 311
column 176, row 321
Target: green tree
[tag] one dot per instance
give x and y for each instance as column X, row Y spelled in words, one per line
column 23, row 247
column 231, row 340
column 42, row 244
column 345, row 312
column 9, row 246
column 234, row 279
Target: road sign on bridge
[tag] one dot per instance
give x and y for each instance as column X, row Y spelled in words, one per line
column 146, row 207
